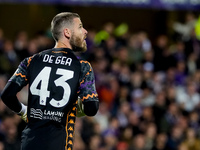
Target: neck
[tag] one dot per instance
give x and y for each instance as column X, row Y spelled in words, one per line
column 60, row 44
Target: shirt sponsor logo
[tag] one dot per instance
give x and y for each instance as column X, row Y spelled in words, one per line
column 46, row 114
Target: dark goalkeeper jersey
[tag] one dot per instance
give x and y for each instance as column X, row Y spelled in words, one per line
column 56, row 78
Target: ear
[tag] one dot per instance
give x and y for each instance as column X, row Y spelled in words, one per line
column 67, row 33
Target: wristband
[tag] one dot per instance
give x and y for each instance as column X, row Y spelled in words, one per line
column 23, row 110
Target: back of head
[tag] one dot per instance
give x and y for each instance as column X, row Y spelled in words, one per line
column 61, row 21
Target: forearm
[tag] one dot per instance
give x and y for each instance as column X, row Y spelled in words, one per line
column 9, row 96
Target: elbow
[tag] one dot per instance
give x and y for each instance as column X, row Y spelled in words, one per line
column 4, row 96
column 91, row 112
column 8, row 92
column 91, row 108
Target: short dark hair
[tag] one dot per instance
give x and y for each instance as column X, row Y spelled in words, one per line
column 61, row 20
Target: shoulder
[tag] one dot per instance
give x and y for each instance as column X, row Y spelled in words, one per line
column 27, row 61
column 85, row 65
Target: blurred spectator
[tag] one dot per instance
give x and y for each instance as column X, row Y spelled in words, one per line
column 160, row 143
column 184, row 29
column 113, row 128
column 32, row 47
column 179, row 52
column 182, row 147
column 157, row 82
column 148, row 69
column 170, row 118
column 102, row 116
column 107, row 92
column 150, row 135
column 159, row 109
column 20, row 44
column 133, row 119
column 124, row 94
column 105, row 33
column 170, row 77
column 138, row 143
column 110, row 47
column 188, row 99
column 122, row 97
column 78, row 141
column 88, row 129
column 122, row 146
column 183, row 122
column 12, row 140
column 170, row 95
column 135, row 53
column 136, row 98
column 95, row 142
column 192, row 64
column 175, row 138
column 196, row 79
column 160, row 47
column 44, row 41
column 8, row 59
column 125, row 75
column 126, row 135
column 191, row 141
column 144, row 41
column 123, row 113
column 192, row 45
column 180, row 73
column 110, row 141
column 148, row 98
column 122, row 55
column 148, row 56
column 146, row 118
column 194, row 122
column 137, row 80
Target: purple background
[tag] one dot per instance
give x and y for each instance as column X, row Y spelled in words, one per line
column 158, row 4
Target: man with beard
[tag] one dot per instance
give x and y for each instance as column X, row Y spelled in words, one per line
column 56, row 79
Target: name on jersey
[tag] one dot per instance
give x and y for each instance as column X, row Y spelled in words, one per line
column 63, row 60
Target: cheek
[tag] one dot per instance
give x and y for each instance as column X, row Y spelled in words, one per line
column 83, row 32
column 79, row 34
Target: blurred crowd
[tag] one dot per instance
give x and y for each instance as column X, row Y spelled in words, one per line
column 148, row 88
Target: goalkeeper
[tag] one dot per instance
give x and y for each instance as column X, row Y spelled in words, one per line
column 56, row 78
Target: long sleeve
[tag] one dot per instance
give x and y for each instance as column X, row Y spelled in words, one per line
column 9, row 96
column 14, row 85
column 87, row 90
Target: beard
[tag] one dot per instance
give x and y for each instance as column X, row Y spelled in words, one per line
column 78, row 45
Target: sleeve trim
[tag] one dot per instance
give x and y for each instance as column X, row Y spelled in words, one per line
column 23, row 76
column 29, row 60
column 89, row 96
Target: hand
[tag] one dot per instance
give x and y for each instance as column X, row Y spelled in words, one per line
column 24, row 116
column 23, row 112
column 80, row 108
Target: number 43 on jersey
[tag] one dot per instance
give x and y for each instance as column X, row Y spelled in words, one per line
column 43, row 92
